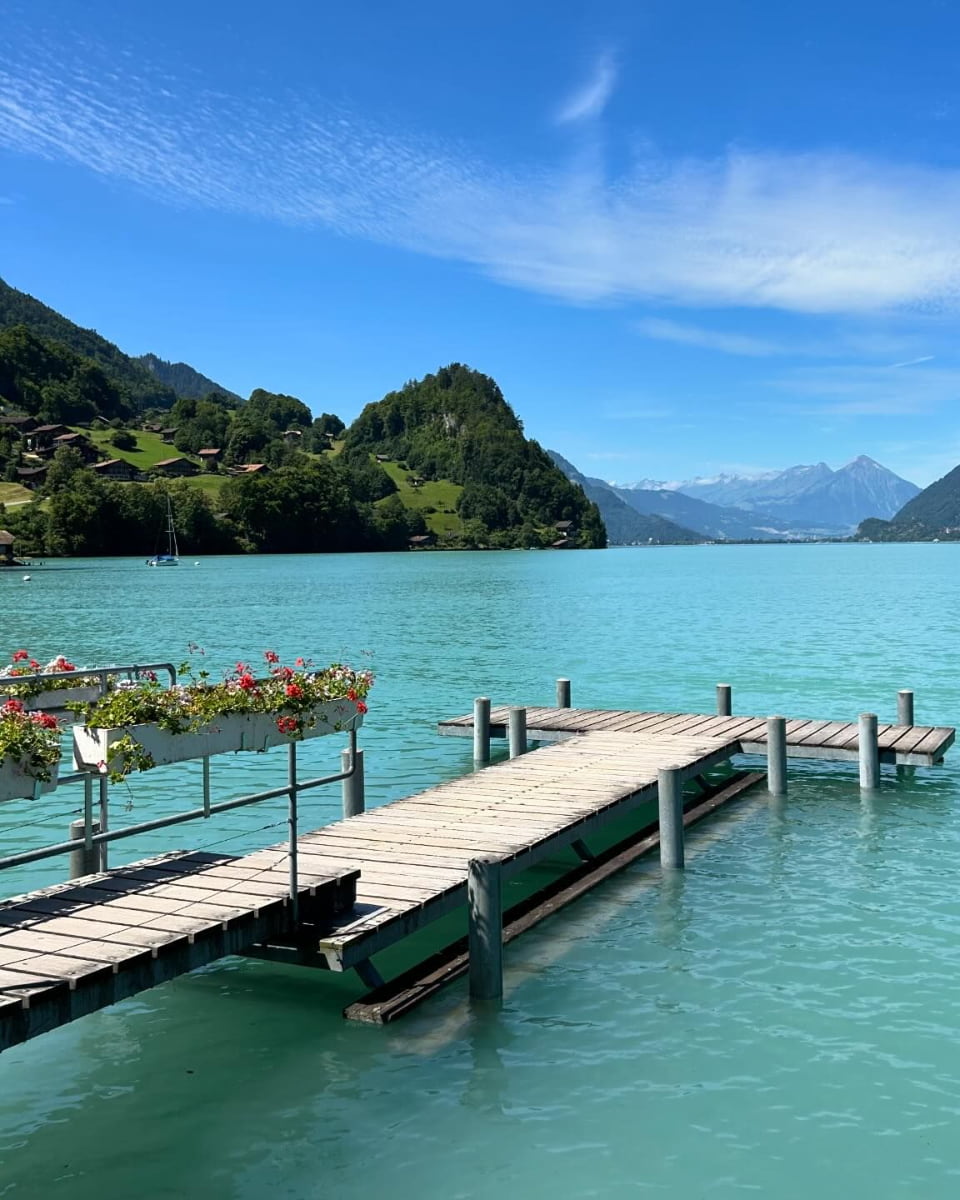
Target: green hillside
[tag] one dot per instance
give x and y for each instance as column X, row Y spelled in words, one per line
column 139, row 388
column 456, row 426
column 183, row 379
column 932, row 513
column 436, row 500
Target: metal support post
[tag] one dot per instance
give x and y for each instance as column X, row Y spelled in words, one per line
column 777, row 756
column 724, row 700
column 206, row 785
column 905, row 708
column 292, row 824
column 869, row 752
column 670, row 796
column 354, row 799
column 563, row 693
column 485, row 935
column 85, row 860
column 104, row 814
column 481, row 729
column 517, row 732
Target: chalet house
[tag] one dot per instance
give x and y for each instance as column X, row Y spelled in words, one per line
column 421, row 540
column 252, row 469
column 20, row 425
column 167, row 435
column 116, row 468
column 6, row 549
column 565, row 527
column 176, row 467
column 292, row 436
column 75, row 441
column 41, row 438
column 31, row 477
column 382, row 457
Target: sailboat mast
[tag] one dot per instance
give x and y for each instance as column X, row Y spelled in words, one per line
column 172, row 549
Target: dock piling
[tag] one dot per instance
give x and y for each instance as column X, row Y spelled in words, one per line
column 905, row 707
column 485, row 934
column 724, row 700
column 869, row 752
column 777, row 756
column 354, row 799
column 563, row 693
column 85, row 860
column 481, row 729
column 517, row 732
column 670, row 795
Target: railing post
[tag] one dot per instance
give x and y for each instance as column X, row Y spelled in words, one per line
column 724, row 700
column 670, row 797
column 563, row 693
column 481, row 729
column 104, row 815
column 354, row 797
column 777, row 756
column 905, row 708
column 869, row 752
column 517, row 732
column 485, row 932
column 206, row 785
column 292, row 823
column 87, row 859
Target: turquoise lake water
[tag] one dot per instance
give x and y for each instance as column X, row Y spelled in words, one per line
column 779, row 1020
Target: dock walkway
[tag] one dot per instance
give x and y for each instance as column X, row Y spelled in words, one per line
column 905, row 745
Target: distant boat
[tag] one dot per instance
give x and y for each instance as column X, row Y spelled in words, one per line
column 172, row 556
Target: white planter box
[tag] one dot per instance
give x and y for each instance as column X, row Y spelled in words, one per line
column 248, row 731
column 56, row 698
column 16, row 784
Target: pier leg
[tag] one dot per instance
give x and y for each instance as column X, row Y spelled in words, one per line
column 869, row 752
column 85, row 860
column 905, row 708
column 517, row 732
column 481, row 729
column 104, row 817
column 777, row 756
column 485, row 936
column 354, row 797
column 724, row 700
column 582, row 850
column 563, row 693
column 292, row 821
column 670, row 793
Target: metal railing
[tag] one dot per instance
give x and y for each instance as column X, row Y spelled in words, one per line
column 291, row 789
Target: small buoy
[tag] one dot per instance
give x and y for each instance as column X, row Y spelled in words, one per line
column 26, row 579
column 196, row 564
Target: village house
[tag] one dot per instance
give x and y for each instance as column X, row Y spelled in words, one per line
column 176, row 467
column 210, row 456
column 167, row 435
column 31, row 477
column 117, row 469
column 292, row 436
column 421, row 541
column 6, row 549
column 75, row 441
column 252, row 469
column 40, row 439
column 19, row 424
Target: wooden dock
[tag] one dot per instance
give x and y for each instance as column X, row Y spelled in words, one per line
column 905, row 745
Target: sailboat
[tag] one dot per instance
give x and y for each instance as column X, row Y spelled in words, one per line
column 172, row 556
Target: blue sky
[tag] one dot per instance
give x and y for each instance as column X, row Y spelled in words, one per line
column 684, row 237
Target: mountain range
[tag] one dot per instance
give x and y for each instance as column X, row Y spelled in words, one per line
column 795, row 504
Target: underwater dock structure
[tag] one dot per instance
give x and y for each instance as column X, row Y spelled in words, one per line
column 335, row 897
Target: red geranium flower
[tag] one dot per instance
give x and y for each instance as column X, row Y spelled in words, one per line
column 351, row 694
column 45, row 720
column 300, row 663
column 271, row 656
column 361, row 707
column 294, row 691
column 12, row 706
column 247, row 682
column 20, row 656
column 34, row 664
column 287, row 724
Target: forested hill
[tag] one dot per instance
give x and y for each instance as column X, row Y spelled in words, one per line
column 456, row 425
column 139, row 388
column 932, row 514
column 184, row 380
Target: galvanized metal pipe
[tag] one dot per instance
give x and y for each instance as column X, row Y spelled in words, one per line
column 563, row 693
column 724, row 700
column 777, row 756
column 670, row 800
column 485, row 928
column 905, row 708
column 292, row 827
column 481, row 729
column 517, row 732
column 85, row 860
column 354, row 800
column 869, row 752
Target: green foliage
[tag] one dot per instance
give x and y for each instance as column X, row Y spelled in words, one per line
column 138, row 387
column 123, row 439
column 201, row 424
column 53, row 383
column 30, row 739
column 456, row 425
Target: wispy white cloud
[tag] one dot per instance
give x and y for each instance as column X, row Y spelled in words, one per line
column 591, row 97
column 858, row 391
column 709, row 339
column 816, row 233
column 912, row 362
